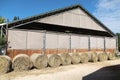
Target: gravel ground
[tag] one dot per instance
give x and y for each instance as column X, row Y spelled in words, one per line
column 87, row 71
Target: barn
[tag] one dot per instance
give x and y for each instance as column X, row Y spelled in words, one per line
column 68, row 30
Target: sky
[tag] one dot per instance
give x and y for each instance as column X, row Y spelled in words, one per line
column 107, row 11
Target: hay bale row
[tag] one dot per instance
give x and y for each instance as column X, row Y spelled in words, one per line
column 23, row 62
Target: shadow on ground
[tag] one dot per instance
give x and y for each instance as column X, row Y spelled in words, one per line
column 105, row 73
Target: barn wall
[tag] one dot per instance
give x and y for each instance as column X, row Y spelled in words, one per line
column 110, row 44
column 29, row 42
column 51, row 43
column 96, row 43
column 63, row 43
column 79, row 43
column 73, row 18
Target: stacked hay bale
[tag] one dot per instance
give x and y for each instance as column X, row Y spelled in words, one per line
column 5, row 64
column 94, row 57
column 21, row 62
column 66, row 58
column 54, row 60
column 39, row 60
column 111, row 56
column 102, row 57
column 84, row 57
column 75, row 58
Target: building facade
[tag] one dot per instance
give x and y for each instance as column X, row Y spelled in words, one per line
column 71, row 29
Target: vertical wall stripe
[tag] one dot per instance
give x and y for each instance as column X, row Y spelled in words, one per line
column 104, row 44
column 44, row 42
column 89, row 48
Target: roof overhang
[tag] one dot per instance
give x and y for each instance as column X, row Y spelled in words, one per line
column 58, row 28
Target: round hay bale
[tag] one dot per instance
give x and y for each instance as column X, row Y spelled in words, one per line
column 111, row 56
column 94, row 57
column 21, row 62
column 75, row 58
column 54, row 60
column 5, row 64
column 39, row 60
column 84, row 57
column 102, row 57
column 66, row 59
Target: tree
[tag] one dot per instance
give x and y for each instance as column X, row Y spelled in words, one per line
column 2, row 20
column 118, row 35
column 16, row 18
column 2, row 38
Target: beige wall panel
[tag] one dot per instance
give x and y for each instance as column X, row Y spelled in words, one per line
column 82, row 21
column 113, row 43
column 17, row 39
column 51, row 41
column 93, row 42
column 67, row 19
column 75, row 20
column 83, row 42
column 63, row 41
column 77, row 11
column 100, row 43
column 97, row 26
column 55, row 19
column 108, row 43
column 75, row 42
column 88, row 23
column 34, row 40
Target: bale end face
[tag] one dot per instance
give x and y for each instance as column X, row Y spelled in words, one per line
column 84, row 57
column 102, row 57
column 5, row 64
column 66, row 59
column 94, row 57
column 111, row 56
column 39, row 60
column 75, row 58
column 21, row 62
column 54, row 60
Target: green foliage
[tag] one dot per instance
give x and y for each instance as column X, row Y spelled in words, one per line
column 16, row 18
column 2, row 20
column 2, row 42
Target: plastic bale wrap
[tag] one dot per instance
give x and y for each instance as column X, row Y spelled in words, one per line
column 84, row 57
column 75, row 58
column 21, row 62
column 66, row 58
column 39, row 60
column 5, row 64
column 54, row 60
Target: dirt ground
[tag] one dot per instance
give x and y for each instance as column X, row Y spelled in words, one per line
column 107, row 70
